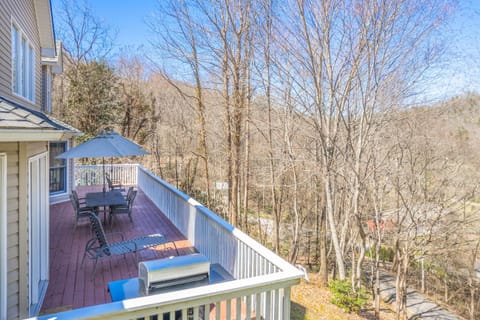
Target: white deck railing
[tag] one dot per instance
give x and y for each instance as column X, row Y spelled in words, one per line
column 88, row 175
column 262, row 279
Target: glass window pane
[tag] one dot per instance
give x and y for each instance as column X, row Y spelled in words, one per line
column 18, row 50
column 15, row 59
column 31, row 74
column 24, row 67
column 23, row 64
column 58, row 167
column 57, row 148
column 57, row 179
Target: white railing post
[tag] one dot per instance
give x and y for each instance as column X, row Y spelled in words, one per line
column 286, row 303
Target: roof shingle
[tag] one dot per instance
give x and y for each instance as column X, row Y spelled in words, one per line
column 16, row 116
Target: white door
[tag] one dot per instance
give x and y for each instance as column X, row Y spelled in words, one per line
column 38, row 230
column 3, row 236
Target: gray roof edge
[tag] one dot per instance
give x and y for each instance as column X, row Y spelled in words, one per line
column 55, row 123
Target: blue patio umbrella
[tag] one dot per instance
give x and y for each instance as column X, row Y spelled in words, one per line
column 106, row 144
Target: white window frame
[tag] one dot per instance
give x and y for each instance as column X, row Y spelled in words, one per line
column 38, row 235
column 23, row 64
column 3, row 236
column 67, row 169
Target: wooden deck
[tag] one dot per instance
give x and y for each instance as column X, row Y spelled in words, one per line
column 71, row 286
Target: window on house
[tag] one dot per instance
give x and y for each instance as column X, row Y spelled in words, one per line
column 58, row 168
column 46, row 89
column 23, row 65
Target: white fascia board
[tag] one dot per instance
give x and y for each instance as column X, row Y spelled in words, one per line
column 43, row 14
column 52, row 61
column 55, row 60
column 48, row 53
column 14, row 135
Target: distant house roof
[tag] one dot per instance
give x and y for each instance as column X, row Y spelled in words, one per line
column 385, row 225
column 19, row 123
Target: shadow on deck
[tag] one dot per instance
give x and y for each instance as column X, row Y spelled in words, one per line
column 71, row 286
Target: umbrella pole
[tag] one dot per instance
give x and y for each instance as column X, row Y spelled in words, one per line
column 103, row 166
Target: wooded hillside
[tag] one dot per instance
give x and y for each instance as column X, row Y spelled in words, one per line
column 294, row 121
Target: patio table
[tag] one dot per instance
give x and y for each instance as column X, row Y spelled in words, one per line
column 105, row 199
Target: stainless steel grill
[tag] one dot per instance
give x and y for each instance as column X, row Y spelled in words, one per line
column 173, row 273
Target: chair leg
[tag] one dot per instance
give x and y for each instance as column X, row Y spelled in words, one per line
column 175, row 246
column 94, row 268
column 83, row 259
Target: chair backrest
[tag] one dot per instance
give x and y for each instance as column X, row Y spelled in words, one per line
column 75, row 202
column 129, row 193
column 75, row 194
column 131, row 199
column 97, row 229
column 109, row 181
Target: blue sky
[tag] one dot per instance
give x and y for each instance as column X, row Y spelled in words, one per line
column 127, row 17
column 461, row 70
column 459, row 73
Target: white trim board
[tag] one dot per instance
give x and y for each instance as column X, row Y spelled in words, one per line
column 3, row 236
column 38, row 222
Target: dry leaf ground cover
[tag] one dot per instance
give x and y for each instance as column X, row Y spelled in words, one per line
column 312, row 302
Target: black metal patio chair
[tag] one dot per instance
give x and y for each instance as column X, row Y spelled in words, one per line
column 113, row 184
column 99, row 247
column 79, row 208
column 125, row 209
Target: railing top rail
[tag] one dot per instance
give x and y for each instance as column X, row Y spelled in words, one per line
column 164, row 183
column 207, row 212
column 108, row 164
column 211, row 215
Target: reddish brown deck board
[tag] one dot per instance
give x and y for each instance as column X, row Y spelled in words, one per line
column 71, row 285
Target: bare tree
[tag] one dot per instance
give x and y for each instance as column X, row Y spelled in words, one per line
column 351, row 60
column 136, row 101
column 84, row 94
column 425, row 213
column 264, row 64
column 472, row 279
column 85, row 37
column 183, row 46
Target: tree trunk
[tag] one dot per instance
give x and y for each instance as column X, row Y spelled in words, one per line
column 378, row 246
column 296, row 221
column 401, row 287
column 333, row 230
column 323, row 247
column 472, row 302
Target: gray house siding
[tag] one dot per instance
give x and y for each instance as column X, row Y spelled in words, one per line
column 23, row 13
column 11, row 149
column 17, row 220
